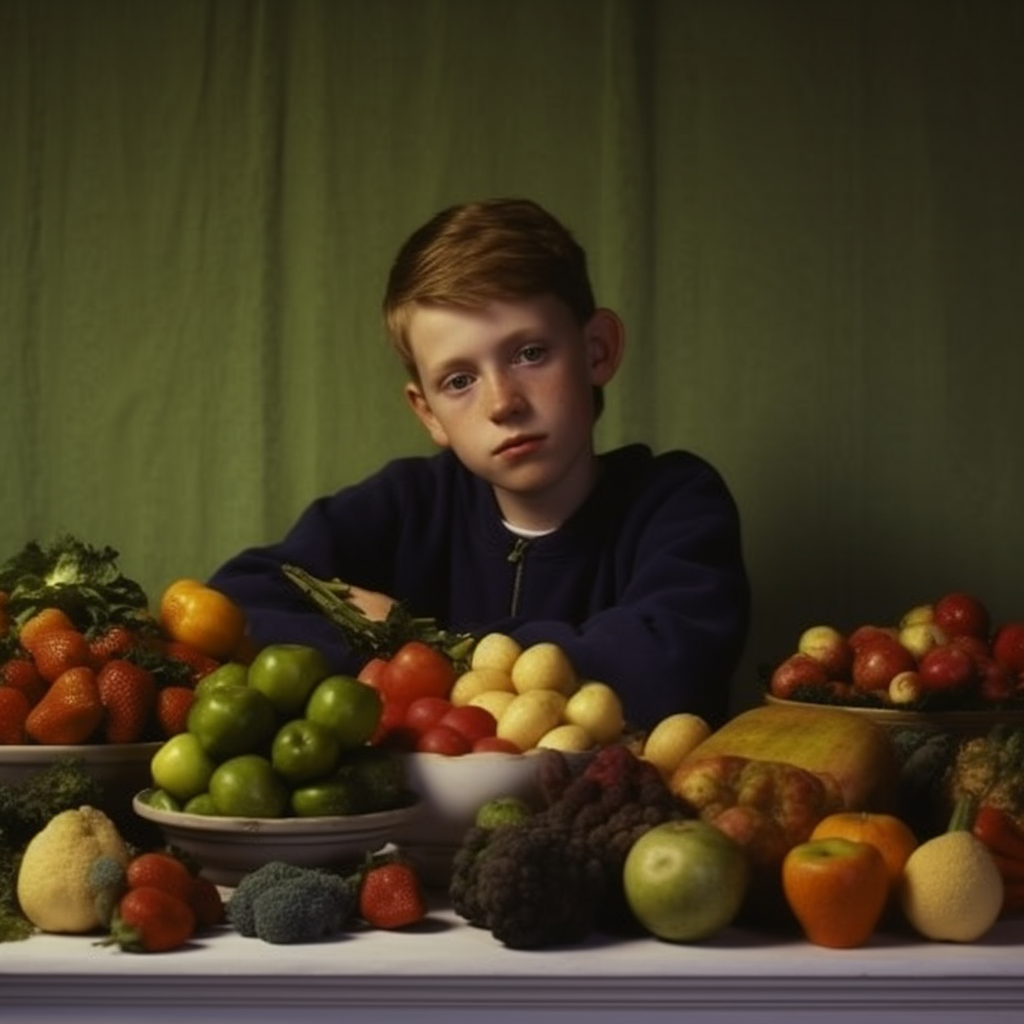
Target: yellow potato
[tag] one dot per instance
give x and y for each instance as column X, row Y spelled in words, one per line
column 672, row 739
column 567, row 737
column 544, row 666
column 494, row 701
column 596, row 707
column 529, row 716
column 476, row 681
column 495, row 650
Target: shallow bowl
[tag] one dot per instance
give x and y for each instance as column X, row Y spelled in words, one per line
column 226, row 848
column 122, row 769
column 961, row 723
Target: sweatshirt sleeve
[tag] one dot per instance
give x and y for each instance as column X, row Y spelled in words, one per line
column 347, row 535
column 672, row 637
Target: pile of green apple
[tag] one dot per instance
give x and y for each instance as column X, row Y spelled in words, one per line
column 280, row 737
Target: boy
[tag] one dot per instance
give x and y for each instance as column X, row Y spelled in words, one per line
column 630, row 562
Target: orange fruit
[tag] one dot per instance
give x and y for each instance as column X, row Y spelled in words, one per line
column 837, row 889
column 195, row 614
column 891, row 836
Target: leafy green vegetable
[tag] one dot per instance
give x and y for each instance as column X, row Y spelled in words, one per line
column 377, row 638
column 82, row 580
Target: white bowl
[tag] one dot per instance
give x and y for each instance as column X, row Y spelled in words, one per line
column 452, row 790
column 122, row 769
column 226, row 848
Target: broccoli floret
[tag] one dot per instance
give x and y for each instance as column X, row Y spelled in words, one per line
column 239, row 908
column 284, row 903
column 107, row 882
column 503, row 810
column 557, row 875
column 312, row 906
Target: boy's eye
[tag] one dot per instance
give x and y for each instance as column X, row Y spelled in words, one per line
column 530, row 354
column 457, row 382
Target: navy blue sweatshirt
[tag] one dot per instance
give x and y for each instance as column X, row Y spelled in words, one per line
column 644, row 587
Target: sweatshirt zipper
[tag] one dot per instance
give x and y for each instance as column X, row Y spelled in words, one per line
column 517, row 557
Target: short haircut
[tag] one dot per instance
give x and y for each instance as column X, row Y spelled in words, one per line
column 475, row 253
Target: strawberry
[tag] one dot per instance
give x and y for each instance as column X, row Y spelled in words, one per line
column 14, row 709
column 199, row 664
column 22, row 674
column 57, row 650
column 150, row 920
column 206, row 902
column 114, row 642
column 390, row 896
column 172, row 708
column 40, row 624
column 160, row 871
column 70, row 712
column 128, row 692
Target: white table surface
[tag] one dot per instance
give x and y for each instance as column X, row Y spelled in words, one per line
column 445, row 971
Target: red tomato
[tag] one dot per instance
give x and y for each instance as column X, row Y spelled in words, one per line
column 474, row 723
column 442, row 739
column 372, row 672
column 417, row 670
column 426, row 712
column 391, row 730
column 495, row 745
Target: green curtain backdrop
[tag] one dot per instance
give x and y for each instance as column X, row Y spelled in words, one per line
column 810, row 214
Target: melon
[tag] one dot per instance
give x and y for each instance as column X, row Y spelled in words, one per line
column 855, row 751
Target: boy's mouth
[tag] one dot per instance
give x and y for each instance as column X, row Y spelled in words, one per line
column 521, row 444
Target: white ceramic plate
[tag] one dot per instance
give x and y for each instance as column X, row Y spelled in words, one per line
column 228, row 848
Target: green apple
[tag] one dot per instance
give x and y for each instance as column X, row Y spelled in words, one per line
column 232, row 720
column 327, row 798
column 247, row 786
column 231, row 673
column 286, row 674
column 348, row 707
column 201, row 804
column 304, row 751
column 181, row 768
column 685, row 880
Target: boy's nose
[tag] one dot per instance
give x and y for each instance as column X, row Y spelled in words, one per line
column 506, row 399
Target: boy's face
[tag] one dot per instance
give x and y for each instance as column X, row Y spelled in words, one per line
column 508, row 387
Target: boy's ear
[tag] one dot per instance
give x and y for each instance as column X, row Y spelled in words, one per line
column 419, row 405
column 605, row 337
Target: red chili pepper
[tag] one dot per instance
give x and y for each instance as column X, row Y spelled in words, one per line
column 999, row 832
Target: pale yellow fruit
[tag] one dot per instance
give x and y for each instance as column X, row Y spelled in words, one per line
column 673, row 739
column 477, row 681
column 494, row 701
column 596, row 707
column 919, row 613
column 951, row 890
column 495, row 650
column 53, row 879
column 529, row 716
column 567, row 737
column 544, row 666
